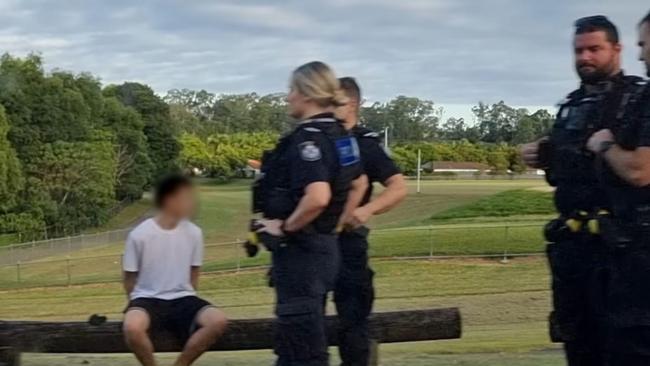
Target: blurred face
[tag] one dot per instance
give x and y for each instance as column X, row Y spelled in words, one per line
column 644, row 43
column 596, row 58
column 181, row 204
column 297, row 103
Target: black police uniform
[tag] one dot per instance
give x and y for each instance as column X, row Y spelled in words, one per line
column 305, row 265
column 627, row 236
column 354, row 293
column 575, row 254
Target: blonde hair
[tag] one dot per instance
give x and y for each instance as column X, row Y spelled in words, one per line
column 317, row 81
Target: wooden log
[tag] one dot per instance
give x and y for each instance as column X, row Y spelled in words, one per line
column 248, row 334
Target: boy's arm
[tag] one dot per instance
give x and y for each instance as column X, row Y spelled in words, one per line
column 195, row 272
column 197, row 261
column 129, row 281
column 130, row 265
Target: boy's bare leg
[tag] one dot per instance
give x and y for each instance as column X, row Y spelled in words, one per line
column 136, row 325
column 212, row 323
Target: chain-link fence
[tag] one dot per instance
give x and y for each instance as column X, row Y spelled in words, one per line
column 27, row 252
column 60, row 262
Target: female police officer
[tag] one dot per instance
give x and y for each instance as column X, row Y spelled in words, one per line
column 306, row 182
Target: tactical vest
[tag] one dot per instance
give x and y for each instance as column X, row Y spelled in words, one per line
column 571, row 168
column 278, row 200
column 362, row 133
column 629, row 202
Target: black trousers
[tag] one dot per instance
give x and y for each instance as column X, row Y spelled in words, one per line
column 578, row 283
column 628, row 301
column 354, row 296
column 304, row 270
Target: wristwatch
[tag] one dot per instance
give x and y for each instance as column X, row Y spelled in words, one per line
column 605, row 146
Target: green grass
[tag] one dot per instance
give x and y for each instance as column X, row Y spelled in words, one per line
column 394, row 355
column 127, row 217
column 504, row 204
column 504, row 309
column 224, row 213
column 104, row 263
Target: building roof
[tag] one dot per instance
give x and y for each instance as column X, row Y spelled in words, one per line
column 461, row 165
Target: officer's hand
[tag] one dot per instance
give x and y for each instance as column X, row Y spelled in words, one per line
column 595, row 141
column 271, row 227
column 360, row 216
column 530, row 153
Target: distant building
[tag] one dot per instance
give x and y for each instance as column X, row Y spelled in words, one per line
column 455, row 167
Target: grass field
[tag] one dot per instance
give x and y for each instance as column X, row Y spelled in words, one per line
column 504, row 306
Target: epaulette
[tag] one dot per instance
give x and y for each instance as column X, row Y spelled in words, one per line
column 312, row 129
column 362, row 132
column 571, row 96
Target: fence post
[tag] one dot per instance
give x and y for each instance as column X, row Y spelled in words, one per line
column 67, row 269
column 237, row 243
column 506, row 236
column 18, row 271
column 430, row 242
column 81, row 240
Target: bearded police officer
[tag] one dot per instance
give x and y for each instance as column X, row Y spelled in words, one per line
column 302, row 195
column 576, row 250
column 354, row 292
column 624, row 161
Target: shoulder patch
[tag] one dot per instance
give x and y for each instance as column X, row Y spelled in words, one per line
column 309, row 151
column 348, row 151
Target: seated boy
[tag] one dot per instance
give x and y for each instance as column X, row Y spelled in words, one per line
column 162, row 261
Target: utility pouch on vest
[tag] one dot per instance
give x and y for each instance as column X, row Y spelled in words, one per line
column 614, row 234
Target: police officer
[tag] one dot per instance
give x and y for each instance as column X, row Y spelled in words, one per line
column 624, row 156
column 575, row 251
column 354, row 292
column 306, row 182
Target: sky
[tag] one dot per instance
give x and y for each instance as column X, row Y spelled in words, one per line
column 453, row 52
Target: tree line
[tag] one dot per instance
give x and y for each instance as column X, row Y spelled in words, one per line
column 72, row 150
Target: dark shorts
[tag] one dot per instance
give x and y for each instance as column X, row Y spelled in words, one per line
column 177, row 316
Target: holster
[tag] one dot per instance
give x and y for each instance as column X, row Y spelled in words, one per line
column 557, row 231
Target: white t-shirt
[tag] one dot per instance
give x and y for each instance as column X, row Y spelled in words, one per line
column 163, row 259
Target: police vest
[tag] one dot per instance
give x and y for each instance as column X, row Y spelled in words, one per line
column 572, row 169
column 280, row 200
column 362, row 133
column 628, row 202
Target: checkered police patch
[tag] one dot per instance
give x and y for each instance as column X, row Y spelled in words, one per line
column 309, row 151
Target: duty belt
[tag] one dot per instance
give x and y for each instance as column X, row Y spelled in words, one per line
column 583, row 221
column 579, row 223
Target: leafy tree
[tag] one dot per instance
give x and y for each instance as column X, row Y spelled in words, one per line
column 78, row 178
column 409, row 119
column 133, row 165
column 162, row 133
column 11, row 177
